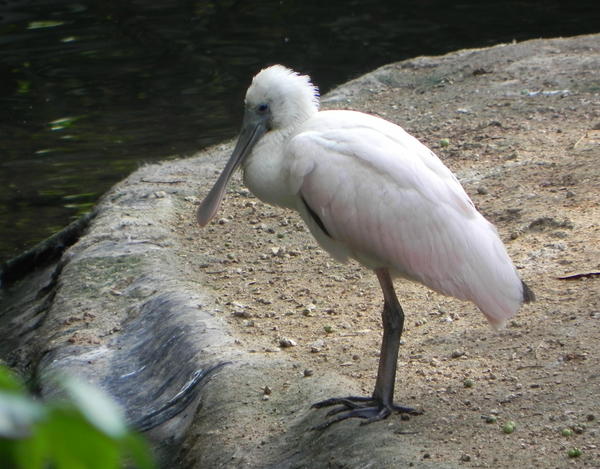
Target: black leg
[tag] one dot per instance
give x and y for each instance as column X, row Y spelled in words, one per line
column 393, row 324
column 381, row 404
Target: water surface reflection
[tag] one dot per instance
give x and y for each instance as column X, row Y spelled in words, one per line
column 90, row 90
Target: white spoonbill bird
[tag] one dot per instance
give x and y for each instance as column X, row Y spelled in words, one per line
column 369, row 191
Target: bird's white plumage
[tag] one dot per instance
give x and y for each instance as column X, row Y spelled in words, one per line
column 384, row 198
column 369, row 191
column 291, row 96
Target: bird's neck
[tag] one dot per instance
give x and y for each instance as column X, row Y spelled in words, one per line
column 264, row 169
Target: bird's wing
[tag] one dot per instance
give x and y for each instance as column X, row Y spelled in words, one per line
column 388, row 201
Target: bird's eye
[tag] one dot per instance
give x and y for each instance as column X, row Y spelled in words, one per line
column 263, row 108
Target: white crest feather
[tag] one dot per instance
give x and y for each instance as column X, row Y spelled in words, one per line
column 292, row 96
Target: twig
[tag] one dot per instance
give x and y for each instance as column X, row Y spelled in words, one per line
column 580, row 139
column 580, row 275
column 174, row 181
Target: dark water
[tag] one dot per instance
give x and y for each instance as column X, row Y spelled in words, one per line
column 91, row 90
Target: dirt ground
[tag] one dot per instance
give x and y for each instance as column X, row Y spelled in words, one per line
column 523, row 136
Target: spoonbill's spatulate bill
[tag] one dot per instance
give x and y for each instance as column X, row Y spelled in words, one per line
column 369, row 191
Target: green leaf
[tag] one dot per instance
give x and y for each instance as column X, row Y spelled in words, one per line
column 10, row 381
column 74, row 443
column 17, row 414
column 6, row 452
column 32, row 452
column 96, row 406
column 85, row 431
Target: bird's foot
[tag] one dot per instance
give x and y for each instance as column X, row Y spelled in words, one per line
column 367, row 408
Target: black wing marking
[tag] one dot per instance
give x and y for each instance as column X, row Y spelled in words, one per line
column 315, row 217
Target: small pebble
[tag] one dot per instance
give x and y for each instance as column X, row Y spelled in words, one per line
column 308, row 372
column 264, row 301
column 579, row 429
column 316, row 346
column 242, row 314
column 286, row 342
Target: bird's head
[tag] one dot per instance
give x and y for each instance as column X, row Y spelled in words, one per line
column 277, row 100
column 281, row 97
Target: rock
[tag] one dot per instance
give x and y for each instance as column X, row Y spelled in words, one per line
column 286, row 342
column 317, row 346
column 544, row 223
column 278, row 251
column 242, row 314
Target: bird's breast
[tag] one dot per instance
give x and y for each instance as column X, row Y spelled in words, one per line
column 265, row 173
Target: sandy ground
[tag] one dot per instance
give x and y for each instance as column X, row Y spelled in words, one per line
column 525, row 143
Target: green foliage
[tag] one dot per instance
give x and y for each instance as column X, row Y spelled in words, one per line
column 574, row 452
column 509, row 427
column 85, row 430
column 566, row 432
